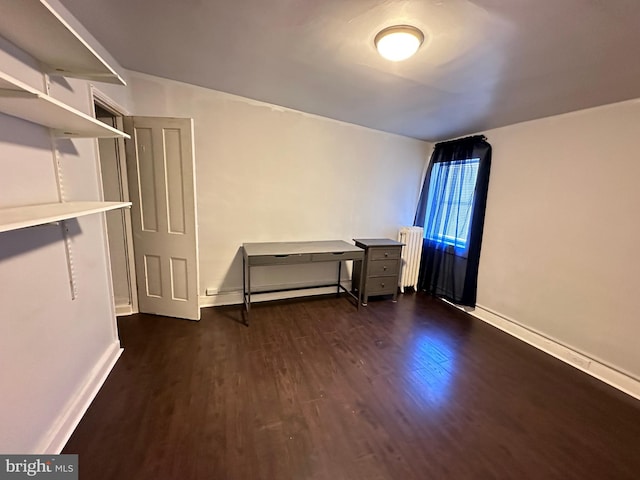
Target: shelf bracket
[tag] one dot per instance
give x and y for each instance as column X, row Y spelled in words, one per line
column 69, row 253
column 63, row 224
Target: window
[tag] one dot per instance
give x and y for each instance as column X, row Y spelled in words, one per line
column 451, row 209
column 450, row 202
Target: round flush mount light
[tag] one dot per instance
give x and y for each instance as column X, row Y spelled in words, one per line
column 398, row 42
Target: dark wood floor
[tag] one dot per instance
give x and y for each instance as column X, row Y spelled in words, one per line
column 314, row 389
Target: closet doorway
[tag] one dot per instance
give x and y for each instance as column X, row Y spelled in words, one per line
column 113, row 169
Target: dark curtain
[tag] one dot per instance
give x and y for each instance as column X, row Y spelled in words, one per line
column 449, row 265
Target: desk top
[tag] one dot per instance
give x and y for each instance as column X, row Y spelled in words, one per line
column 298, row 248
column 377, row 242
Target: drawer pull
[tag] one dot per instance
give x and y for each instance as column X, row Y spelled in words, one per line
column 382, row 284
column 386, row 254
column 281, row 256
column 338, row 253
column 384, row 268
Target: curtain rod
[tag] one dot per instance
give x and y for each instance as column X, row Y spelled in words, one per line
column 463, row 139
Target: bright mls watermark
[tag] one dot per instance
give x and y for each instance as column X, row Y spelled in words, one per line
column 51, row 467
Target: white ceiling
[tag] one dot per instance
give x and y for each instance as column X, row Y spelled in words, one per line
column 484, row 64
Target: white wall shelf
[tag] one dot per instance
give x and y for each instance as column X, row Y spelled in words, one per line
column 36, row 28
column 20, row 100
column 29, row 216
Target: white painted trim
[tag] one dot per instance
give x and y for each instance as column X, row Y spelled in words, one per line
column 219, row 299
column 55, row 439
column 106, row 102
column 124, row 310
column 96, row 96
column 234, row 297
column 623, row 381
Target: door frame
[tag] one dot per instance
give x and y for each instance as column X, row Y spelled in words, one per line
column 104, row 101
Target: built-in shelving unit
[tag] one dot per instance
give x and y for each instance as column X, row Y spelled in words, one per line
column 32, row 215
column 33, row 26
column 20, row 100
column 36, row 28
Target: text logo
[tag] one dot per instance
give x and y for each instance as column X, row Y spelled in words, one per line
column 50, row 467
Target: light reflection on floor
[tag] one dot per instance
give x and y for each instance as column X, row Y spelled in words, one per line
column 430, row 367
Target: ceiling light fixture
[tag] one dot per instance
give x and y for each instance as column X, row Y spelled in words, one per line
column 398, row 42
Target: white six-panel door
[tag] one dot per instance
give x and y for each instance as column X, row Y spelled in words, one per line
column 160, row 163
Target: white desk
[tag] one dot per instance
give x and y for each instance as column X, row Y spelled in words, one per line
column 288, row 253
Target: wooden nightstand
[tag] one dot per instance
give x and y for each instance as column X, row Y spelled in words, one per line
column 381, row 267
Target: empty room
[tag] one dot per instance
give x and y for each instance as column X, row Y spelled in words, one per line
column 295, row 239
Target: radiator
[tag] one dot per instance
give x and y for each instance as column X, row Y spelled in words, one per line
column 411, row 255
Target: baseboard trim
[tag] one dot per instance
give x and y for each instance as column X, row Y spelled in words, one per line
column 618, row 379
column 220, row 299
column 234, row 297
column 58, row 435
column 124, row 310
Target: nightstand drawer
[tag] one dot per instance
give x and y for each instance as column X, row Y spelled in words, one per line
column 382, row 285
column 377, row 268
column 381, row 253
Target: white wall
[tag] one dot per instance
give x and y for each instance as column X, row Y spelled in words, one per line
column 266, row 173
column 559, row 252
column 54, row 351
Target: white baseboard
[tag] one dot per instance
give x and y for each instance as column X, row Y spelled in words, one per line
column 124, row 310
column 623, row 381
column 222, row 298
column 234, row 297
column 58, row 435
